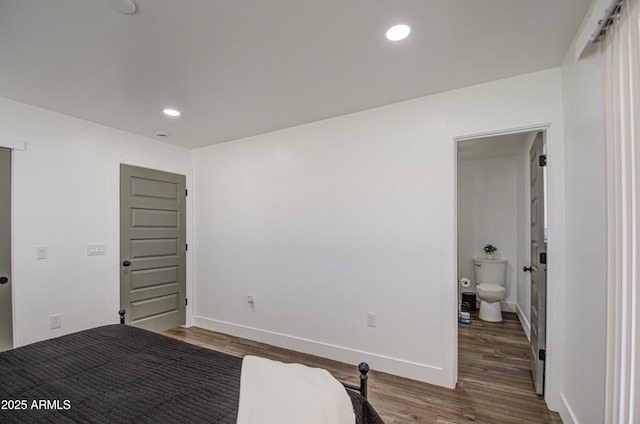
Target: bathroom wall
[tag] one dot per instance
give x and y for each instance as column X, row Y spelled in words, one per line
column 487, row 203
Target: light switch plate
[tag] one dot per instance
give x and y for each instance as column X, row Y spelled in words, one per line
column 95, row 249
column 371, row 319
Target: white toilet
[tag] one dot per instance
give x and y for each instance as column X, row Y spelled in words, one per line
column 490, row 275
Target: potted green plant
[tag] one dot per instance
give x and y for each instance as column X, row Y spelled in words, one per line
column 489, row 249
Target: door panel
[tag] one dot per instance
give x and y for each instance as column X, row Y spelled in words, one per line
column 538, row 270
column 144, row 187
column 6, row 315
column 146, row 278
column 161, row 249
column 160, row 305
column 144, row 218
column 152, row 248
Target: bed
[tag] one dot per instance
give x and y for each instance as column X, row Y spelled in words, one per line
column 119, row 373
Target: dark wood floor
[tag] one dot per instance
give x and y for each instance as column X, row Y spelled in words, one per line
column 494, row 383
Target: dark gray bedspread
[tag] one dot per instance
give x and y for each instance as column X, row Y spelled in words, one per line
column 122, row 374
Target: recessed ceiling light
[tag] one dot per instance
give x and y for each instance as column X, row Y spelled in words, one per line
column 171, row 112
column 398, row 32
column 127, row 7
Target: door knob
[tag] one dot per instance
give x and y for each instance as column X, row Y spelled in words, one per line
column 4, row 280
column 525, row 269
column 126, row 263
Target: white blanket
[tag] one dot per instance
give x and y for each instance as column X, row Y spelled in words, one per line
column 272, row 392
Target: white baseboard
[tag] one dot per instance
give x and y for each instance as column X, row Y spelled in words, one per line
column 507, row 306
column 524, row 322
column 565, row 411
column 396, row 366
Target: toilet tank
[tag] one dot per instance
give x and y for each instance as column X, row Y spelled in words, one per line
column 490, row 271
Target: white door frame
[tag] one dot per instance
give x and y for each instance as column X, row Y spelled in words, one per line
column 15, row 144
column 555, row 249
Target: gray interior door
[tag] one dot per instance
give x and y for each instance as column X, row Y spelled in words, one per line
column 538, row 265
column 6, row 318
column 152, row 248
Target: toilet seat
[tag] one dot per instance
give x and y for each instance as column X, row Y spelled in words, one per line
column 490, row 288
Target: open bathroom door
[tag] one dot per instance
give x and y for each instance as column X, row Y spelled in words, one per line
column 538, row 267
column 6, row 283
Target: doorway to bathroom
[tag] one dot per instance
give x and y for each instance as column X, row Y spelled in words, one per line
column 497, row 207
column 6, row 283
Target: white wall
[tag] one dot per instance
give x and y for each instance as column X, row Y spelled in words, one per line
column 328, row 221
column 65, row 192
column 584, row 312
column 487, row 196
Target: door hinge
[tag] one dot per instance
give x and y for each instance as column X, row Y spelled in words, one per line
column 543, row 258
column 186, row 302
column 186, row 192
column 186, row 247
column 542, row 354
column 542, row 160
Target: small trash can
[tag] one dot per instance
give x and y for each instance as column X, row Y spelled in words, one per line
column 468, row 301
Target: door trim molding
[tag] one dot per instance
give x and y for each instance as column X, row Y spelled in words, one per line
column 12, row 264
column 555, row 245
column 13, row 142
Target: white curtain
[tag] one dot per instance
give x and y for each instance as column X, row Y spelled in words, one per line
column 621, row 54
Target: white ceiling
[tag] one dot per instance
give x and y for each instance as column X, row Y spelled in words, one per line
column 244, row 67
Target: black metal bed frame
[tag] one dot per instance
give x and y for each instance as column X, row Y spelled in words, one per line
column 363, row 367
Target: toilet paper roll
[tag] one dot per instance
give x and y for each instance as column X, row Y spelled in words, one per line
column 465, row 282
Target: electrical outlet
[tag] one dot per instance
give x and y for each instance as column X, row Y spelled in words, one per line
column 55, row 321
column 371, row 319
column 41, row 252
column 251, row 300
